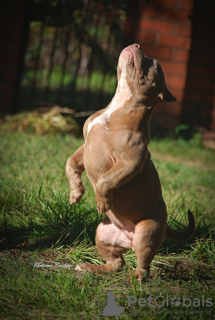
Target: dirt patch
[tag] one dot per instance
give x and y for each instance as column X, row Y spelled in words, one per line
column 186, row 269
column 50, row 257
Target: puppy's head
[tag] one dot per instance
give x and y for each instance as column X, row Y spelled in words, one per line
column 143, row 76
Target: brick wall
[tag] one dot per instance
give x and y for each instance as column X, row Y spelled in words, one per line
column 12, row 23
column 179, row 34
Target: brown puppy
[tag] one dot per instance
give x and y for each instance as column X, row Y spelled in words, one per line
column 117, row 161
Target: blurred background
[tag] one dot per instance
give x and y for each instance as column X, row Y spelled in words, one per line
column 64, row 53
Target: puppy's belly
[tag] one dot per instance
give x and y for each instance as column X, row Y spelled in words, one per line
column 121, row 222
column 114, row 236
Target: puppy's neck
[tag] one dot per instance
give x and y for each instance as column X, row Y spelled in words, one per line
column 123, row 90
column 125, row 93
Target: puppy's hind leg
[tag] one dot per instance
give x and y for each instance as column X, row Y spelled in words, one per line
column 111, row 243
column 148, row 237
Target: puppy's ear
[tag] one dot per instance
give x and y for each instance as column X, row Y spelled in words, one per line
column 166, row 96
column 119, row 71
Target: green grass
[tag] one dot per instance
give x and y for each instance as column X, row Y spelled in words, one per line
column 42, row 237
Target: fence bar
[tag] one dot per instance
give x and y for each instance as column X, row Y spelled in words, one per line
column 51, row 62
column 66, row 54
column 36, row 66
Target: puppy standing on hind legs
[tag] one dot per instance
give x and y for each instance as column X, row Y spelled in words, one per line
column 117, row 161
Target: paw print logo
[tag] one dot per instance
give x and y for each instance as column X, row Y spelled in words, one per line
column 176, row 301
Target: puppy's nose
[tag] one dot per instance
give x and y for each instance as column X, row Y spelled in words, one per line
column 135, row 45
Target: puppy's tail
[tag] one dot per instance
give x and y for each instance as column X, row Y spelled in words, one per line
column 182, row 235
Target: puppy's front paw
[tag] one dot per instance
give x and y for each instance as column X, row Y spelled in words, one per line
column 76, row 194
column 104, row 203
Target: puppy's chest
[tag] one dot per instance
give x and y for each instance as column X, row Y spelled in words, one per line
column 107, row 118
column 101, row 120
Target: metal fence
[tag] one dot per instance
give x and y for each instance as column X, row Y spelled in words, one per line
column 71, row 54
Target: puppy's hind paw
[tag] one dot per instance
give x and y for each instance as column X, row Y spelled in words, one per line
column 142, row 275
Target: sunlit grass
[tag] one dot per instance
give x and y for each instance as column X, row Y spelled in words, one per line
column 39, row 226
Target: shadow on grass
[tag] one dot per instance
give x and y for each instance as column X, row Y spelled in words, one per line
column 77, row 224
column 54, row 223
column 41, row 224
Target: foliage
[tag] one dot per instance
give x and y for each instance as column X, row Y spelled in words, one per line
column 50, row 121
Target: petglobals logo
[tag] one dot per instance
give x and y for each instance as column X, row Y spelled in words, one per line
column 165, row 301
column 109, row 307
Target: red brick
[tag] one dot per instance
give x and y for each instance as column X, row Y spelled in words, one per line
column 145, row 37
column 180, row 55
column 156, row 25
column 173, row 109
column 174, row 41
column 157, row 52
column 160, row 109
column 150, row 12
column 184, row 30
column 175, row 15
column 174, row 68
column 6, row 88
column 167, row 79
column 179, row 94
column 177, row 82
column 187, row 5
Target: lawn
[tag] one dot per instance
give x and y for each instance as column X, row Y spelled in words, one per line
column 42, row 237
